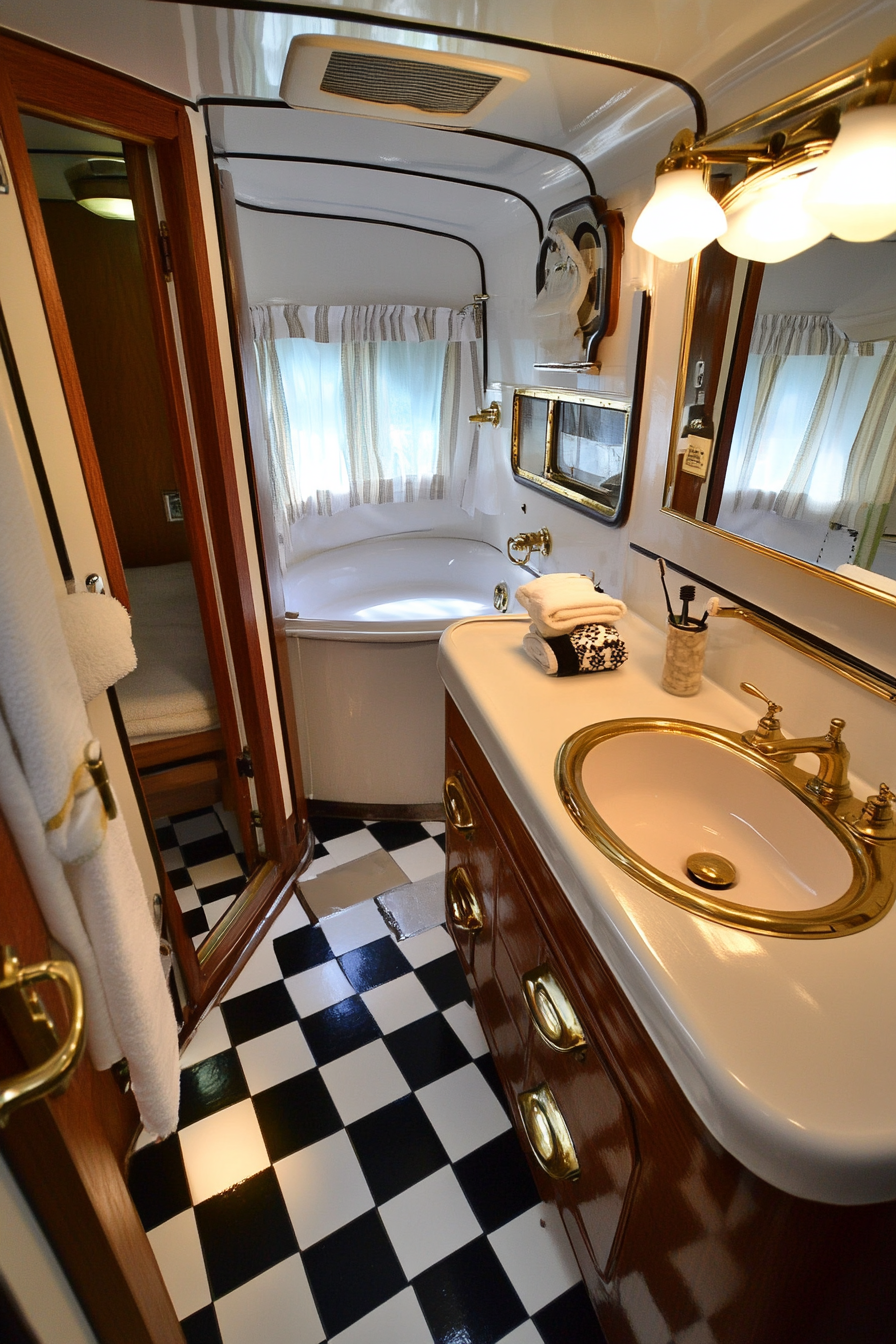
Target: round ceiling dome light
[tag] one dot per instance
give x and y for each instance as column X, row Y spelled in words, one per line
column 101, row 186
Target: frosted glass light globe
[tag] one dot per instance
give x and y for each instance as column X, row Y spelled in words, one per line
column 680, row 218
column 854, row 190
column 771, row 223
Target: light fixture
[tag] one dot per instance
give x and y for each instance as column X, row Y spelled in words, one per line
column 833, row 173
column 101, row 186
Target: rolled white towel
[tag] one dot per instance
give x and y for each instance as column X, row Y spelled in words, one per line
column 558, row 603
column 97, row 631
column 540, row 652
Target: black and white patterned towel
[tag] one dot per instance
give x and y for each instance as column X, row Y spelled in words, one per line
column 587, row 648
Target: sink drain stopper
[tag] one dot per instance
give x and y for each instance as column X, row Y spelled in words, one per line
column 711, row 870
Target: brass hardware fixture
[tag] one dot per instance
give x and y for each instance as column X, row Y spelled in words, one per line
column 457, row 809
column 711, row 870
column 491, row 415
column 831, row 784
column 877, row 821
column 528, row 542
column 502, row 597
column 548, row 1134
column 96, row 768
column 549, row 1007
column 869, row 894
column 94, row 584
column 54, row 1074
column 769, row 727
column 463, row 903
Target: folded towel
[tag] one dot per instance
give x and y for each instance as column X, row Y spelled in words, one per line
column 558, row 603
column 589, row 648
column 97, row 631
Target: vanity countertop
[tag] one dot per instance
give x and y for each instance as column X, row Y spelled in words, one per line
column 786, row 1048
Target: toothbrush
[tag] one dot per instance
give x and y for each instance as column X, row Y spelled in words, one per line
column 662, row 564
column 687, row 592
column 712, row 607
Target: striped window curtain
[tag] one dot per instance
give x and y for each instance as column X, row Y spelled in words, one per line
column 369, row 405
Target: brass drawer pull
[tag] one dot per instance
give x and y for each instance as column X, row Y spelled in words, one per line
column 55, row 1073
column 550, row 1009
column 457, row 809
column 548, row 1135
column 463, row 903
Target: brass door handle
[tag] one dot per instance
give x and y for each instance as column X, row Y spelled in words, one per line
column 457, row 809
column 463, row 903
column 56, row 1072
column 548, row 1134
column 556, row 1021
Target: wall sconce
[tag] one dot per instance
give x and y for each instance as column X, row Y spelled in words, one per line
column 101, row 186
column 833, row 173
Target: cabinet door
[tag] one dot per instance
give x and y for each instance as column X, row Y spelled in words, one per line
column 517, row 943
column 471, row 879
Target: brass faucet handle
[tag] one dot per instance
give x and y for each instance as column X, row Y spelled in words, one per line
column 769, row 727
column 761, row 695
column 877, row 820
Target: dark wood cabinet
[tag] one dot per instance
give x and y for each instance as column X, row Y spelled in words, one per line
column 674, row 1237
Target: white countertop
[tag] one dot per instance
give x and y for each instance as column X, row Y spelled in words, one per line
column 785, row 1047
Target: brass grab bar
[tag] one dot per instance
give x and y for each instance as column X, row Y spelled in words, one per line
column 55, row 1073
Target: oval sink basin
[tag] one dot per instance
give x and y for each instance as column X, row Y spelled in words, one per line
column 684, row 807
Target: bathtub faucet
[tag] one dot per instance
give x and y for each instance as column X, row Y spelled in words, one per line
column 528, row 542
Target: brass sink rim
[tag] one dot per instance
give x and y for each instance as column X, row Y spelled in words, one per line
column 866, row 900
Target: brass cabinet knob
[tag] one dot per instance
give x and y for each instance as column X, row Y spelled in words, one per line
column 556, row 1021
column 548, row 1134
column 463, row 903
column 457, row 809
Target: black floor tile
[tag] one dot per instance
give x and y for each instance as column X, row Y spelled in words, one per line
column 231, row 886
column 195, row 922
column 258, row 1011
column 208, row 847
column 439, row 839
column 295, row 1113
column 374, row 964
column 210, row 1086
column 165, row 837
column 396, row 1147
column 244, row 1231
column 328, row 828
column 202, row 1327
column 396, row 834
column 352, row 1272
column 426, row 1050
column 486, row 1066
column 318, row 852
column 444, row 981
column 569, row 1319
column 337, row 1030
column 179, row 877
column 158, row 1182
column 301, row 949
column 497, row 1181
column 468, row 1296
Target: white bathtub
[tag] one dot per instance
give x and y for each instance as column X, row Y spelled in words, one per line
column 369, row 701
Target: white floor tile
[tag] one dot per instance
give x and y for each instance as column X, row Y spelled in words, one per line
column 538, row 1259
column 274, row 1057
column 214, row 910
column 463, row 1110
column 188, row 898
column 399, row 1002
column 215, row 870
column 434, row 827
column 176, row 1247
column 263, row 969
column 231, row 825
column 465, row 1022
column 354, row 927
column 210, row 1039
column 524, row 1334
column 363, row 1081
column 276, row 1307
column 197, row 828
column 424, row 947
column 398, row 1321
column 352, row 846
column 222, row 1150
column 324, row 1188
column 317, row 988
column 199, row 939
column 292, row 916
column 420, row 860
column 317, row 866
column 429, row 1221
column 172, row 859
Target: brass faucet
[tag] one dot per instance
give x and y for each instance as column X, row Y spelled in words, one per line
column 524, row 543
column 831, row 785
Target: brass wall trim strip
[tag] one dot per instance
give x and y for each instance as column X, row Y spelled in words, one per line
column 862, row 674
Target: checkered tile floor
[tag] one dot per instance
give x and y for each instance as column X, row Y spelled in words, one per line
column 345, row 1168
column 203, row 857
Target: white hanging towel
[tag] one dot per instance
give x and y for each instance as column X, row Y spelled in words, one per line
column 97, row 631
column 558, row 603
column 43, row 709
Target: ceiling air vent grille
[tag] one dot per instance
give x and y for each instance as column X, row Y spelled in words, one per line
column 422, row 85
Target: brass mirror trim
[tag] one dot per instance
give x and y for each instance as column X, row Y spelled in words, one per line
column 548, row 1134
column 867, row 899
column 554, row 1017
column 457, row 809
column 463, row 903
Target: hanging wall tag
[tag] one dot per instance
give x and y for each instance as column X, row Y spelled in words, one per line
column 696, row 456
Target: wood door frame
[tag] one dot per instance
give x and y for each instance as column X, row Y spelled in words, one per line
column 46, row 82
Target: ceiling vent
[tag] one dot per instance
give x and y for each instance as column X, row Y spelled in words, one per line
column 373, row 79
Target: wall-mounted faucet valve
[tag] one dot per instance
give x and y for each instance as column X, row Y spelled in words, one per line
column 521, row 547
